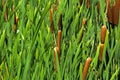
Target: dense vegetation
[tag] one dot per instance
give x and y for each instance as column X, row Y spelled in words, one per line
column 29, row 37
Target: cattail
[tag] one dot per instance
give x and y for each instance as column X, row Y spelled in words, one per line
column 86, row 67
column 15, row 24
column 51, row 20
column 84, row 21
column 103, row 33
column 113, row 12
column 101, row 52
column 60, row 23
column 88, row 3
column 51, row 15
column 59, row 38
column 56, row 52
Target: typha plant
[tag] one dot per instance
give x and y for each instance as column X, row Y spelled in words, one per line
column 88, row 3
column 51, row 20
column 103, row 33
column 113, row 12
column 56, row 56
column 86, row 67
column 101, row 52
column 59, row 32
column 59, row 39
column 84, row 22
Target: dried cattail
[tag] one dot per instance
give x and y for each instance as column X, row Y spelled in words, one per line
column 88, row 3
column 86, row 67
column 56, row 52
column 103, row 33
column 51, row 20
column 60, row 23
column 59, row 38
column 101, row 52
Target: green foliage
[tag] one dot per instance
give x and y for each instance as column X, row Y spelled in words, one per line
column 29, row 53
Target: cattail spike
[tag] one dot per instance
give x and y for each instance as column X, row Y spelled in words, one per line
column 59, row 38
column 51, row 20
column 101, row 52
column 103, row 33
column 86, row 67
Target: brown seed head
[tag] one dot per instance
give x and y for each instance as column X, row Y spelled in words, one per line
column 86, row 67
column 101, row 52
column 113, row 12
column 84, row 21
column 103, row 33
column 51, row 20
column 59, row 38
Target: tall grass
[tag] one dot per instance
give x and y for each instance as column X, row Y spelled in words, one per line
column 28, row 53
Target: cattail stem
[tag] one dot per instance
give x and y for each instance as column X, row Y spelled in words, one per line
column 86, row 67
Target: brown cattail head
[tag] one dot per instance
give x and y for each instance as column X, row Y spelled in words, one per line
column 88, row 3
column 101, row 52
column 84, row 21
column 113, row 12
column 59, row 39
column 56, row 52
column 51, row 15
column 103, row 33
column 60, row 23
column 51, row 20
column 86, row 67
